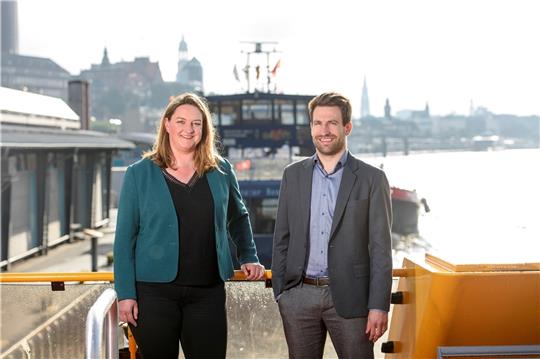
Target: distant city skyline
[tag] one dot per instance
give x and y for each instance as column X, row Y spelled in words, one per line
column 416, row 52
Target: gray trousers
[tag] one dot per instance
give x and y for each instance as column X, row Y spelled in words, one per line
column 308, row 312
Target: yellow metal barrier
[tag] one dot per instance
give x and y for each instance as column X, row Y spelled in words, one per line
column 56, row 277
column 109, row 276
column 84, row 277
column 445, row 303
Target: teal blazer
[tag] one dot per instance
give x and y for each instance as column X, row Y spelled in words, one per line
column 146, row 245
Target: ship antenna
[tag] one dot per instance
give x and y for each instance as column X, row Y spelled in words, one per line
column 258, row 49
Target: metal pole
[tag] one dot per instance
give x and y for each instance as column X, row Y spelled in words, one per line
column 247, row 74
column 268, row 71
column 102, row 315
column 110, row 330
column 93, row 251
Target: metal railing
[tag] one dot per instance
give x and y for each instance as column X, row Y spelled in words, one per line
column 52, row 337
column 102, row 322
column 36, row 277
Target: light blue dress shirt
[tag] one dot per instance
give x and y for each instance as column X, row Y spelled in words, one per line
column 324, row 191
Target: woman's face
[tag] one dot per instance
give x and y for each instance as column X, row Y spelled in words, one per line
column 185, row 128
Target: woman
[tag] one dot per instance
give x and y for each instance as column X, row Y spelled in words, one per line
column 177, row 208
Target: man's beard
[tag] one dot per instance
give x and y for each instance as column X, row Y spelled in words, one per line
column 335, row 148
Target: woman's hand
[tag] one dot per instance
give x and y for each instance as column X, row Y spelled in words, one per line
column 253, row 271
column 128, row 311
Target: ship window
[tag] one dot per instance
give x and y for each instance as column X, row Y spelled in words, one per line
column 260, row 110
column 302, row 116
column 284, row 111
column 229, row 112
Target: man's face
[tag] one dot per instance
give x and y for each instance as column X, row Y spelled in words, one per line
column 328, row 131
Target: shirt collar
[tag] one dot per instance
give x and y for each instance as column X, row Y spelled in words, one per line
column 339, row 165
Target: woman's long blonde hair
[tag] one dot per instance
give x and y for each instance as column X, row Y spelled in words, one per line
column 206, row 154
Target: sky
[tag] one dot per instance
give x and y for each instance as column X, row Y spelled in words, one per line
column 445, row 53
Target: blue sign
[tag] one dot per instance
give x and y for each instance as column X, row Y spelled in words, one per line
column 259, row 189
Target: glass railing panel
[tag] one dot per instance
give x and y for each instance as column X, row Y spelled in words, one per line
column 255, row 329
column 37, row 322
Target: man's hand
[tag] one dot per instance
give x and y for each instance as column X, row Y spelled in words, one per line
column 253, row 271
column 128, row 311
column 377, row 323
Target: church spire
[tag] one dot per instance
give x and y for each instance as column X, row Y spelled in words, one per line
column 183, row 45
column 183, row 51
column 364, row 111
column 183, row 59
column 387, row 110
column 105, row 60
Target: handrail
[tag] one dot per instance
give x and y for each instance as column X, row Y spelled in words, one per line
column 109, row 276
column 85, row 277
column 103, row 315
column 57, row 277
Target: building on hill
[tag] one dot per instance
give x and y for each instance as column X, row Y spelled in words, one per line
column 27, row 73
column 118, row 90
column 34, row 74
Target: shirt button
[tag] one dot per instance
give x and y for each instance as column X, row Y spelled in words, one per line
column 323, row 213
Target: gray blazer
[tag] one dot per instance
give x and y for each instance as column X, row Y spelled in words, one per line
column 359, row 253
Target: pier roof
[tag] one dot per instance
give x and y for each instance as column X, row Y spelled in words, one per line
column 27, row 103
column 26, row 137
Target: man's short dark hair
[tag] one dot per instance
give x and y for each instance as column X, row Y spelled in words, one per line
column 332, row 99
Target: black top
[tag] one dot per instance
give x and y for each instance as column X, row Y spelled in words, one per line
column 198, row 264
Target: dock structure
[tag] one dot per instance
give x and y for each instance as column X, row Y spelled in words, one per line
column 56, row 178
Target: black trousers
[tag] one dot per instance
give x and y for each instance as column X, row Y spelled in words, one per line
column 169, row 313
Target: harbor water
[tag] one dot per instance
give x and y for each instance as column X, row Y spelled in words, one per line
column 484, row 205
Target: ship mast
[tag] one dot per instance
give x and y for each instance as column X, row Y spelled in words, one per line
column 258, row 50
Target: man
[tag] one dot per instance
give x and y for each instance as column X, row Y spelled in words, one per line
column 332, row 262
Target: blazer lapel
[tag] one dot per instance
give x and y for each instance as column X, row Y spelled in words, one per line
column 214, row 183
column 160, row 190
column 219, row 193
column 347, row 182
column 304, row 183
